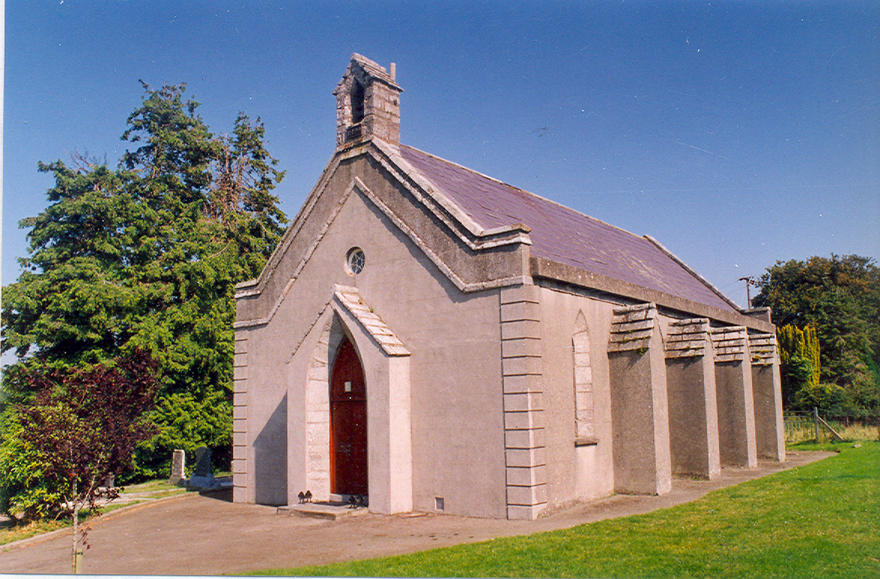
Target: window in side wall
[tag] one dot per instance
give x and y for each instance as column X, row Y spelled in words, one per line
column 583, row 390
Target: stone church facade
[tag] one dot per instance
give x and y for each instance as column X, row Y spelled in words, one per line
column 441, row 341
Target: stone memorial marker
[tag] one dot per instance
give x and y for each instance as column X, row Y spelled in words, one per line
column 203, row 461
column 202, row 476
column 178, row 474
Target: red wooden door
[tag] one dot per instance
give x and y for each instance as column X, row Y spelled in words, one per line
column 348, row 424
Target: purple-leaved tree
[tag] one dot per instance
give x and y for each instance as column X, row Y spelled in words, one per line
column 85, row 425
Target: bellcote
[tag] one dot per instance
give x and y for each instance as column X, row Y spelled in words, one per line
column 367, row 103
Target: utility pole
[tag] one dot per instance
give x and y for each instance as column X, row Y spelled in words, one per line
column 750, row 281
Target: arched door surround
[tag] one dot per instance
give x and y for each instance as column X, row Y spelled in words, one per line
column 382, row 366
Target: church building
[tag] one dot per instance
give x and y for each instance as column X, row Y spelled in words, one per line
column 431, row 339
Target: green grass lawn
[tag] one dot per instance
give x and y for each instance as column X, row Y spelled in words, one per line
column 11, row 532
column 819, row 520
column 152, row 486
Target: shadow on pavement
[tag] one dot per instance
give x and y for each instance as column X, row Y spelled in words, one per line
column 218, row 494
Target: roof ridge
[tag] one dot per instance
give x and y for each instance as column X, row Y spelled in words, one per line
column 527, row 192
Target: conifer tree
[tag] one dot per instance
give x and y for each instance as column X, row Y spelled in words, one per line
column 146, row 256
column 799, row 359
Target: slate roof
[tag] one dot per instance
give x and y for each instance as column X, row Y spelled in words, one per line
column 564, row 235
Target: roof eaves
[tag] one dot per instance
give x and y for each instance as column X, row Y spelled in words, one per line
column 543, row 268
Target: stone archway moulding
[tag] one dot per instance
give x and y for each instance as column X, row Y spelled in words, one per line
column 386, row 364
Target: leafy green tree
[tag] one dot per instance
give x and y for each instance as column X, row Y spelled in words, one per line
column 839, row 297
column 25, row 493
column 146, row 256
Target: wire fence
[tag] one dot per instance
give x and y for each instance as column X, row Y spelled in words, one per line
column 799, row 427
column 804, row 426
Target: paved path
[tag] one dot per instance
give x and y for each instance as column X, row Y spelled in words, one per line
column 207, row 535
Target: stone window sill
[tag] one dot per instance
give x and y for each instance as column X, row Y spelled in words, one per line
column 585, row 442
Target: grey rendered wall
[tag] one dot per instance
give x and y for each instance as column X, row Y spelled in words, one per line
column 586, row 471
column 693, row 416
column 769, row 425
column 457, row 415
column 736, row 414
column 260, row 421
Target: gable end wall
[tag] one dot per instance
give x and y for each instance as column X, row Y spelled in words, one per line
column 456, row 399
column 369, row 175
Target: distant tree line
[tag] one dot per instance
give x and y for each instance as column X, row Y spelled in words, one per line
column 827, row 312
column 143, row 258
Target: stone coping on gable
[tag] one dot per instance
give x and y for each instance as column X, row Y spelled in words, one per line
column 461, row 227
column 350, row 299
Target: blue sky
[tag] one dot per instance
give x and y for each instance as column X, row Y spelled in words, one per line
column 736, row 134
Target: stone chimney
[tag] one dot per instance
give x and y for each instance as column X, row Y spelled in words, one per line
column 367, row 104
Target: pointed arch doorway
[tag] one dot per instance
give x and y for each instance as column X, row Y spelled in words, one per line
column 348, row 423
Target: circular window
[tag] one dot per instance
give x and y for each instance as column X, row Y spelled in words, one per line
column 355, row 260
